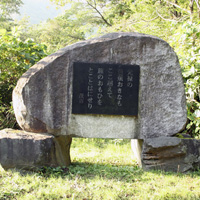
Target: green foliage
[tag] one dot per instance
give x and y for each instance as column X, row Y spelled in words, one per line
column 16, row 56
column 7, row 8
column 187, row 36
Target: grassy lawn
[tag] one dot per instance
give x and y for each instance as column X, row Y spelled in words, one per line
column 101, row 169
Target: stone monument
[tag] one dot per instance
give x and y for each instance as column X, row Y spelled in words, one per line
column 120, row 85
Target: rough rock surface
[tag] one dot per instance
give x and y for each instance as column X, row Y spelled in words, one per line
column 25, row 150
column 171, row 154
column 43, row 96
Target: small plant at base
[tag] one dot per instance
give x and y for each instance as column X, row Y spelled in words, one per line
column 53, row 171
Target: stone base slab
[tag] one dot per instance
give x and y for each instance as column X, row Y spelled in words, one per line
column 27, row 150
column 169, row 154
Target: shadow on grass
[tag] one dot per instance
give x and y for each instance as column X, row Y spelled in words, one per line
column 122, row 173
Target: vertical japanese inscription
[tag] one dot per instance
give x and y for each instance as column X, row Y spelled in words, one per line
column 100, row 77
column 90, row 88
column 110, row 89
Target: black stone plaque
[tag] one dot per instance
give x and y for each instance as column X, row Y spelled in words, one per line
column 110, row 89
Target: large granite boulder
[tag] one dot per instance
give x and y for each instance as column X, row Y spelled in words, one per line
column 26, row 150
column 42, row 99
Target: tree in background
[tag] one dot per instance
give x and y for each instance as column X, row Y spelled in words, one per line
column 7, row 9
column 63, row 30
column 16, row 56
column 187, row 37
column 88, row 18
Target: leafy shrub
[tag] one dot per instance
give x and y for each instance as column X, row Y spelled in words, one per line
column 186, row 42
column 16, row 56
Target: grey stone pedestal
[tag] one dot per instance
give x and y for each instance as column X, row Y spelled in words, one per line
column 26, row 150
column 168, row 154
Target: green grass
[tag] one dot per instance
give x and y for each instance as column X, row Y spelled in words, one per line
column 101, row 169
